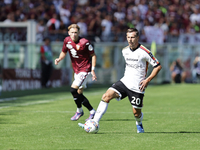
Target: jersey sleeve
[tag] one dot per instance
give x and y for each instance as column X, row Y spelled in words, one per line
column 152, row 59
column 90, row 48
column 64, row 48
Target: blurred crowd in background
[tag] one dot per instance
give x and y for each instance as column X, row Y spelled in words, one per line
column 106, row 20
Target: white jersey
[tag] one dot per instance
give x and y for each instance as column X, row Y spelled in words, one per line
column 136, row 66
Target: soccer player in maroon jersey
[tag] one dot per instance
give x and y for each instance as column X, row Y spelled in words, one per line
column 83, row 60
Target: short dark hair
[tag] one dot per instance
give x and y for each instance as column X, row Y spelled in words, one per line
column 133, row 30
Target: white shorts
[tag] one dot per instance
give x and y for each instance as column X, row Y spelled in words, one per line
column 81, row 79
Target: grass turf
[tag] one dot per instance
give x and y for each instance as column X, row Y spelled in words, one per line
column 40, row 119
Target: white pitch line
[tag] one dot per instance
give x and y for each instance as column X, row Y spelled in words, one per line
column 33, row 103
column 8, row 99
column 39, row 102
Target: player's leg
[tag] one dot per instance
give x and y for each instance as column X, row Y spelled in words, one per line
column 78, row 80
column 136, row 100
column 77, row 100
column 138, row 117
column 79, row 84
column 103, row 105
column 116, row 91
column 87, row 104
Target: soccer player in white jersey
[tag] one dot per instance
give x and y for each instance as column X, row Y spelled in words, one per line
column 134, row 81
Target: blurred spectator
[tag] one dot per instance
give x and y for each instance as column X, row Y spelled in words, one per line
column 143, row 8
column 163, row 26
column 10, row 18
column 64, row 15
column 62, row 31
column 53, row 25
column 41, row 30
column 19, row 16
column 57, row 5
column 129, row 13
column 195, row 16
column 82, row 2
column 94, row 27
column 172, row 16
column 137, row 23
column 26, row 6
column 190, row 29
column 106, row 25
column 83, row 27
column 7, row 1
column 178, row 74
column 119, row 14
column 46, row 62
column 51, row 10
column 32, row 14
column 119, row 31
column 174, row 32
column 152, row 33
column 185, row 21
column 196, row 70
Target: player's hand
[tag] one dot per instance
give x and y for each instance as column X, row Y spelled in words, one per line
column 94, row 78
column 143, row 84
column 57, row 60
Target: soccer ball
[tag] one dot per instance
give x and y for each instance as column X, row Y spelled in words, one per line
column 91, row 126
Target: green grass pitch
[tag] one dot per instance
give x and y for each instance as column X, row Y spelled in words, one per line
column 40, row 120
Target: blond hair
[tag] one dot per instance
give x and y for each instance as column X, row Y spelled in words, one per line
column 74, row 26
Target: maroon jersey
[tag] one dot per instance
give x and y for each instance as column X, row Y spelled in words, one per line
column 79, row 53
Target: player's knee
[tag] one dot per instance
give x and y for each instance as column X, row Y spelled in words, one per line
column 137, row 115
column 106, row 97
column 73, row 91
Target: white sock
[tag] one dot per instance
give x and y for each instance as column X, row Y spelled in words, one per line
column 79, row 110
column 139, row 120
column 100, row 111
column 92, row 111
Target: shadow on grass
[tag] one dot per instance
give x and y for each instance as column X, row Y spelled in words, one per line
column 118, row 132
column 117, row 120
column 4, row 117
column 174, row 132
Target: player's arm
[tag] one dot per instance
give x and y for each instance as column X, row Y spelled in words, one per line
column 94, row 60
column 61, row 57
column 144, row 83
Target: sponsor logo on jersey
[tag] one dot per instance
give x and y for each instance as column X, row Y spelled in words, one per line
column 77, row 47
column 135, row 66
column 69, row 46
column 131, row 59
